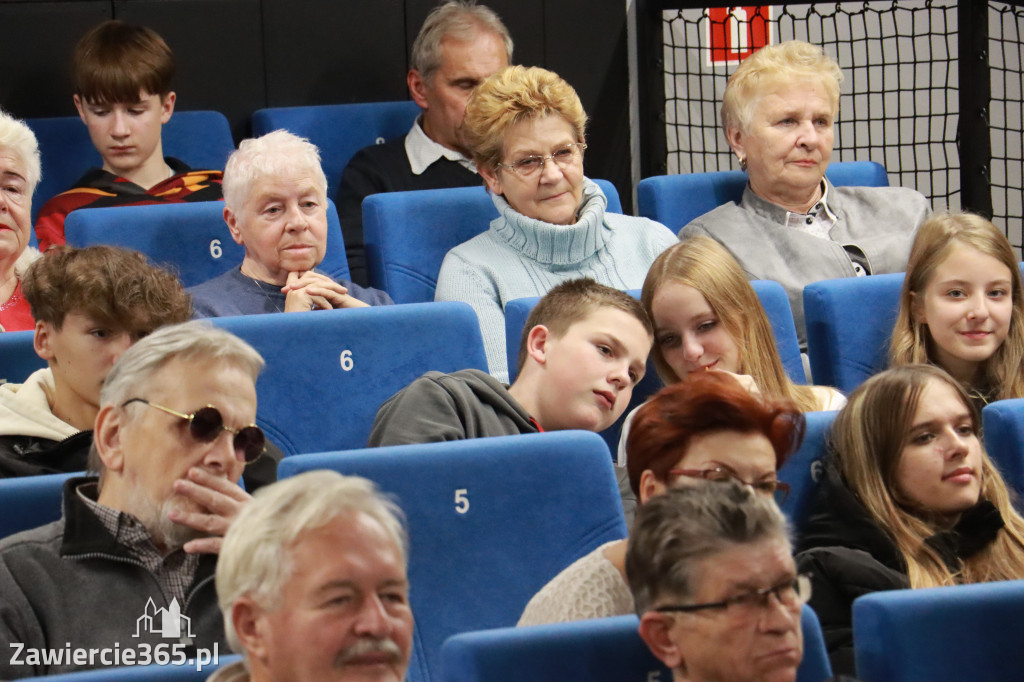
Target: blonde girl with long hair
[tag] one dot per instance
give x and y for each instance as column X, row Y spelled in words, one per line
column 707, row 317
column 962, row 306
column 908, row 498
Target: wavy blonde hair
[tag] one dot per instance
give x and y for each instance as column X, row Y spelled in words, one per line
column 511, row 96
column 791, row 61
column 912, row 342
column 869, row 436
column 704, row 264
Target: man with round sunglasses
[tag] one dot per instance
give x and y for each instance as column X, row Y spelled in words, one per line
column 137, row 548
column 711, row 570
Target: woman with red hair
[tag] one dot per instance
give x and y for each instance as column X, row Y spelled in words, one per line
column 709, row 427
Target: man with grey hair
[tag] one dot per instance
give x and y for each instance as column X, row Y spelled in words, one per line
column 711, row 570
column 130, row 565
column 312, row 584
column 459, row 45
column 275, row 205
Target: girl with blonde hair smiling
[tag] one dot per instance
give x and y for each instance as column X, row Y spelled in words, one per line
column 908, row 498
column 962, row 306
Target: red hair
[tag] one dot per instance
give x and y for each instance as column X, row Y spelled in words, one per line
column 664, row 426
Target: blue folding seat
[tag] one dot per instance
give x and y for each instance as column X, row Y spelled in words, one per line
column 491, row 521
column 30, row 502
column 598, row 650
column 1003, row 422
column 202, row 139
column 849, row 324
column 18, row 357
column 941, row 634
column 147, row 673
column 329, row 370
column 408, row 234
column 191, row 238
column 676, row 200
column 339, row 130
column 803, row 469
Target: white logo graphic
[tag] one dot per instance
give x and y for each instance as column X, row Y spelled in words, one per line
column 168, row 623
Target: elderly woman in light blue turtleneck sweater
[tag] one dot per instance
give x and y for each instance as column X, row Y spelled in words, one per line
column 524, row 127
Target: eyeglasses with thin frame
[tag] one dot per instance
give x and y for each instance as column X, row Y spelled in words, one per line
column 206, row 423
column 778, row 489
column 564, row 158
column 791, row 593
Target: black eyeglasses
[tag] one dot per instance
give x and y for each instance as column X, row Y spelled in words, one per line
column 206, row 423
column 779, row 489
column 792, row 593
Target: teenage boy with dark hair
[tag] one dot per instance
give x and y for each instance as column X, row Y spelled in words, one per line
column 584, row 348
column 122, row 79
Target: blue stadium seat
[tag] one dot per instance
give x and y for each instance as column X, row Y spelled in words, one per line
column 1003, row 423
column 339, row 130
column 147, row 673
column 490, row 523
column 408, row 234
column 599, row 650
column 202, row 139
column 18, row 358
column 328, row 371
column 941, row 634
column 675, row 200
column 803, row 469
column 192, row 239
column 30, row 501
column 849, row 324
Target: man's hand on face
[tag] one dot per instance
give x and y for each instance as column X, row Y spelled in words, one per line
column 312, row 291
column 220, row 501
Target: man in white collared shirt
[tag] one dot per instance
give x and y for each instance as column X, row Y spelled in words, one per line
column 458, row 46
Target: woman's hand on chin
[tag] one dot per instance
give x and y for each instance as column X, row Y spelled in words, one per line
column 313, row 291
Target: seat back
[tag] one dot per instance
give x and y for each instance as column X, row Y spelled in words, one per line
column 598, row 650
column 849, row 324
column 676, row 200
column 489, row 522
column 190, row 238
column 408, row 234
column 149, row 673
column 202, row 139
column 30, row 501
column 329, row 370
column 1003, row 423
column 803, row 469
column 339, row 130
column 964, row 632
column 18, row 357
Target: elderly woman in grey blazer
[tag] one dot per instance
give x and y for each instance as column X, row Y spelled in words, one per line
column 792, row 225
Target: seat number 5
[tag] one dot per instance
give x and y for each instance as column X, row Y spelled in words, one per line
column 461, row 501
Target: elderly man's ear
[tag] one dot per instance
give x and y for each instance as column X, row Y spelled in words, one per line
column 232, row 220
column 246, row 616
column 107, row 437
column 655, row 630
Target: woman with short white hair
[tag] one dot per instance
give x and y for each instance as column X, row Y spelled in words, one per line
column 275, row 205
column 19, row 174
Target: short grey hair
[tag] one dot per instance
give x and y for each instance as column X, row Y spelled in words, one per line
column 256, row 560
column 198, row 339
column 272, row 154
column 674, row 531
column 460, row 20
column 17, row 138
